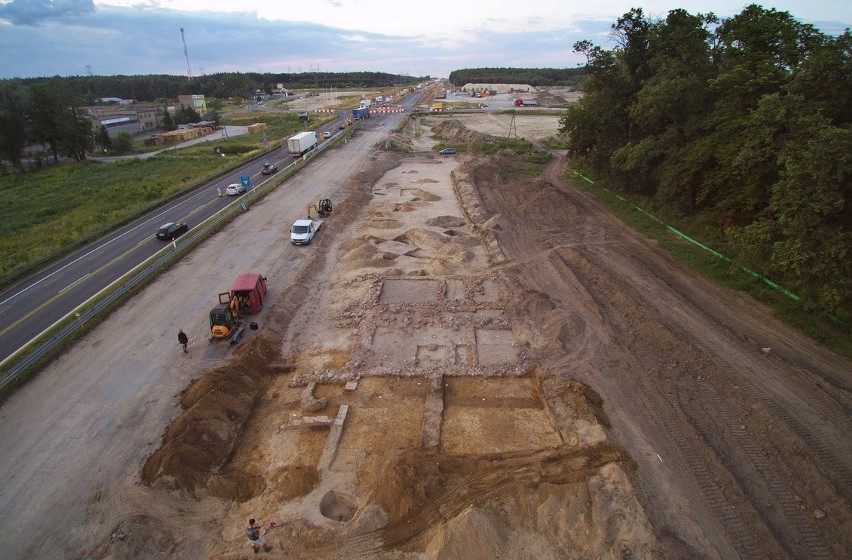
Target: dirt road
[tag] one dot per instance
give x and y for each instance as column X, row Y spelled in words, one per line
column 466, row 363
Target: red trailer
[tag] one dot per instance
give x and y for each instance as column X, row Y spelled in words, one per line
column 246, row 295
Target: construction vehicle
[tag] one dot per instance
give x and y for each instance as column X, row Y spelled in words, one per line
column 245, row 298
column 303, row 231
column 323, row 209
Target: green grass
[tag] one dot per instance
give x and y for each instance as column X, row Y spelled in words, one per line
column 47, row 210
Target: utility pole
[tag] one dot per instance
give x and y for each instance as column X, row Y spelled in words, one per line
column 186, row 54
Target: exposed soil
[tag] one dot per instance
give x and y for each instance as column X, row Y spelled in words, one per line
column 456, row 327
column 473, row 363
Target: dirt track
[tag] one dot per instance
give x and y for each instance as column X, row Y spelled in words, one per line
column 516, row 375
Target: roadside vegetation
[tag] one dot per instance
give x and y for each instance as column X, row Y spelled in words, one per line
column 739, row 128
column 47, row 210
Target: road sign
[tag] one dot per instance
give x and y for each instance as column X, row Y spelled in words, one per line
column 245, row 180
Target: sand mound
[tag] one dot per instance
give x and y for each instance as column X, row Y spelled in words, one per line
column 446, row 221
column 422, row 238
column 384, row 224
column 216, row 407
column 455, row 131
column 420, row 194
column 452, row 253
column 365, row 251
column 421, row 489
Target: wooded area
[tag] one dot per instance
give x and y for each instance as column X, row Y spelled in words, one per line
column 533, row 76
column 740, row 124
column 46, row 110
column 151, row 88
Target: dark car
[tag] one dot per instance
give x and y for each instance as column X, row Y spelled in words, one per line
column 269, row 169
column 171, row 230
column 448, row 152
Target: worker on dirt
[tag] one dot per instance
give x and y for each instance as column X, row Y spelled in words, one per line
column 253, row 536
column 183, row 339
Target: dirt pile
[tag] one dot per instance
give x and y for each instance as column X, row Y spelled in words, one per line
column 216, row 407
column 427, row 495
column 198, row 444
column 454, row 131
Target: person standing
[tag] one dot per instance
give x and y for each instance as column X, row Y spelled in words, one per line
column 253, row 536
column 183, row 339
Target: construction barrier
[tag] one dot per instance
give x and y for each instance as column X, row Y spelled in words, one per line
column 325, row 110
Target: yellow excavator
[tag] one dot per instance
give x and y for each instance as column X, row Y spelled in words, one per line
column 322, row 209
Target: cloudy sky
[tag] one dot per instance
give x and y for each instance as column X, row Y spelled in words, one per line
column 418, row 38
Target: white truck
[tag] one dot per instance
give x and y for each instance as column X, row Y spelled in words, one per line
column 303, row 231
column 301, row 143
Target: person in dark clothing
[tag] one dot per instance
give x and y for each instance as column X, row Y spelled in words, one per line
column 183, row 339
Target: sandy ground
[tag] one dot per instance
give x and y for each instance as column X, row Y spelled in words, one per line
column 466, row 363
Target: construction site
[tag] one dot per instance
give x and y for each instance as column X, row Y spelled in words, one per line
column 471, row 362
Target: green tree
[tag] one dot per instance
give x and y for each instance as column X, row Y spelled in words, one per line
column 45, row 115
column 122, row 143
column 14, row 100
column 186, row 115
column 75, row 134
column 168, row 121
column 215, row 116
column 102, row 138
column 742, row 121
column 596, row 123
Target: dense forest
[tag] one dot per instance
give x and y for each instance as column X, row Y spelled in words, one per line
column 224, row 85
column 533, row 76
column 742, row 124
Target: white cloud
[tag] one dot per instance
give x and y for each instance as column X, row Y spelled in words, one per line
column 143, row 36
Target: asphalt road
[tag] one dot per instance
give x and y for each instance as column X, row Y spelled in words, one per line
column 35, row 303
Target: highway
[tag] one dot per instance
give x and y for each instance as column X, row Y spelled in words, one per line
column 36, row 302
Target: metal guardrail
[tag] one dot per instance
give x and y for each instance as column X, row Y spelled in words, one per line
column 75, row 322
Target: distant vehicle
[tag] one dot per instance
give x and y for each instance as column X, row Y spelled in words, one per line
column 269, row 169
column 235, row 189
column 301, row 143
column 326, row 134
column 171, row 230
column 341, row 126
column 448, row 152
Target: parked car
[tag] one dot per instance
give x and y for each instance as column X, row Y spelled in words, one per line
column 171, row 230
column 235, row 189
column 326, row 134
column 269, row 169
column 448, row 152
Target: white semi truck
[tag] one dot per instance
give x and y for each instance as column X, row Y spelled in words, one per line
column 302, row 143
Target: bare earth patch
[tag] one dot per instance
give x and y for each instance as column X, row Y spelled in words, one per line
column 468, row 366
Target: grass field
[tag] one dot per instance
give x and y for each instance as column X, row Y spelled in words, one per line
column 47, row 210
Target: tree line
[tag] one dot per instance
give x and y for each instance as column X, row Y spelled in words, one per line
column 572, row 77
column 48, row 111
column 150, row 88
column 742, row 124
